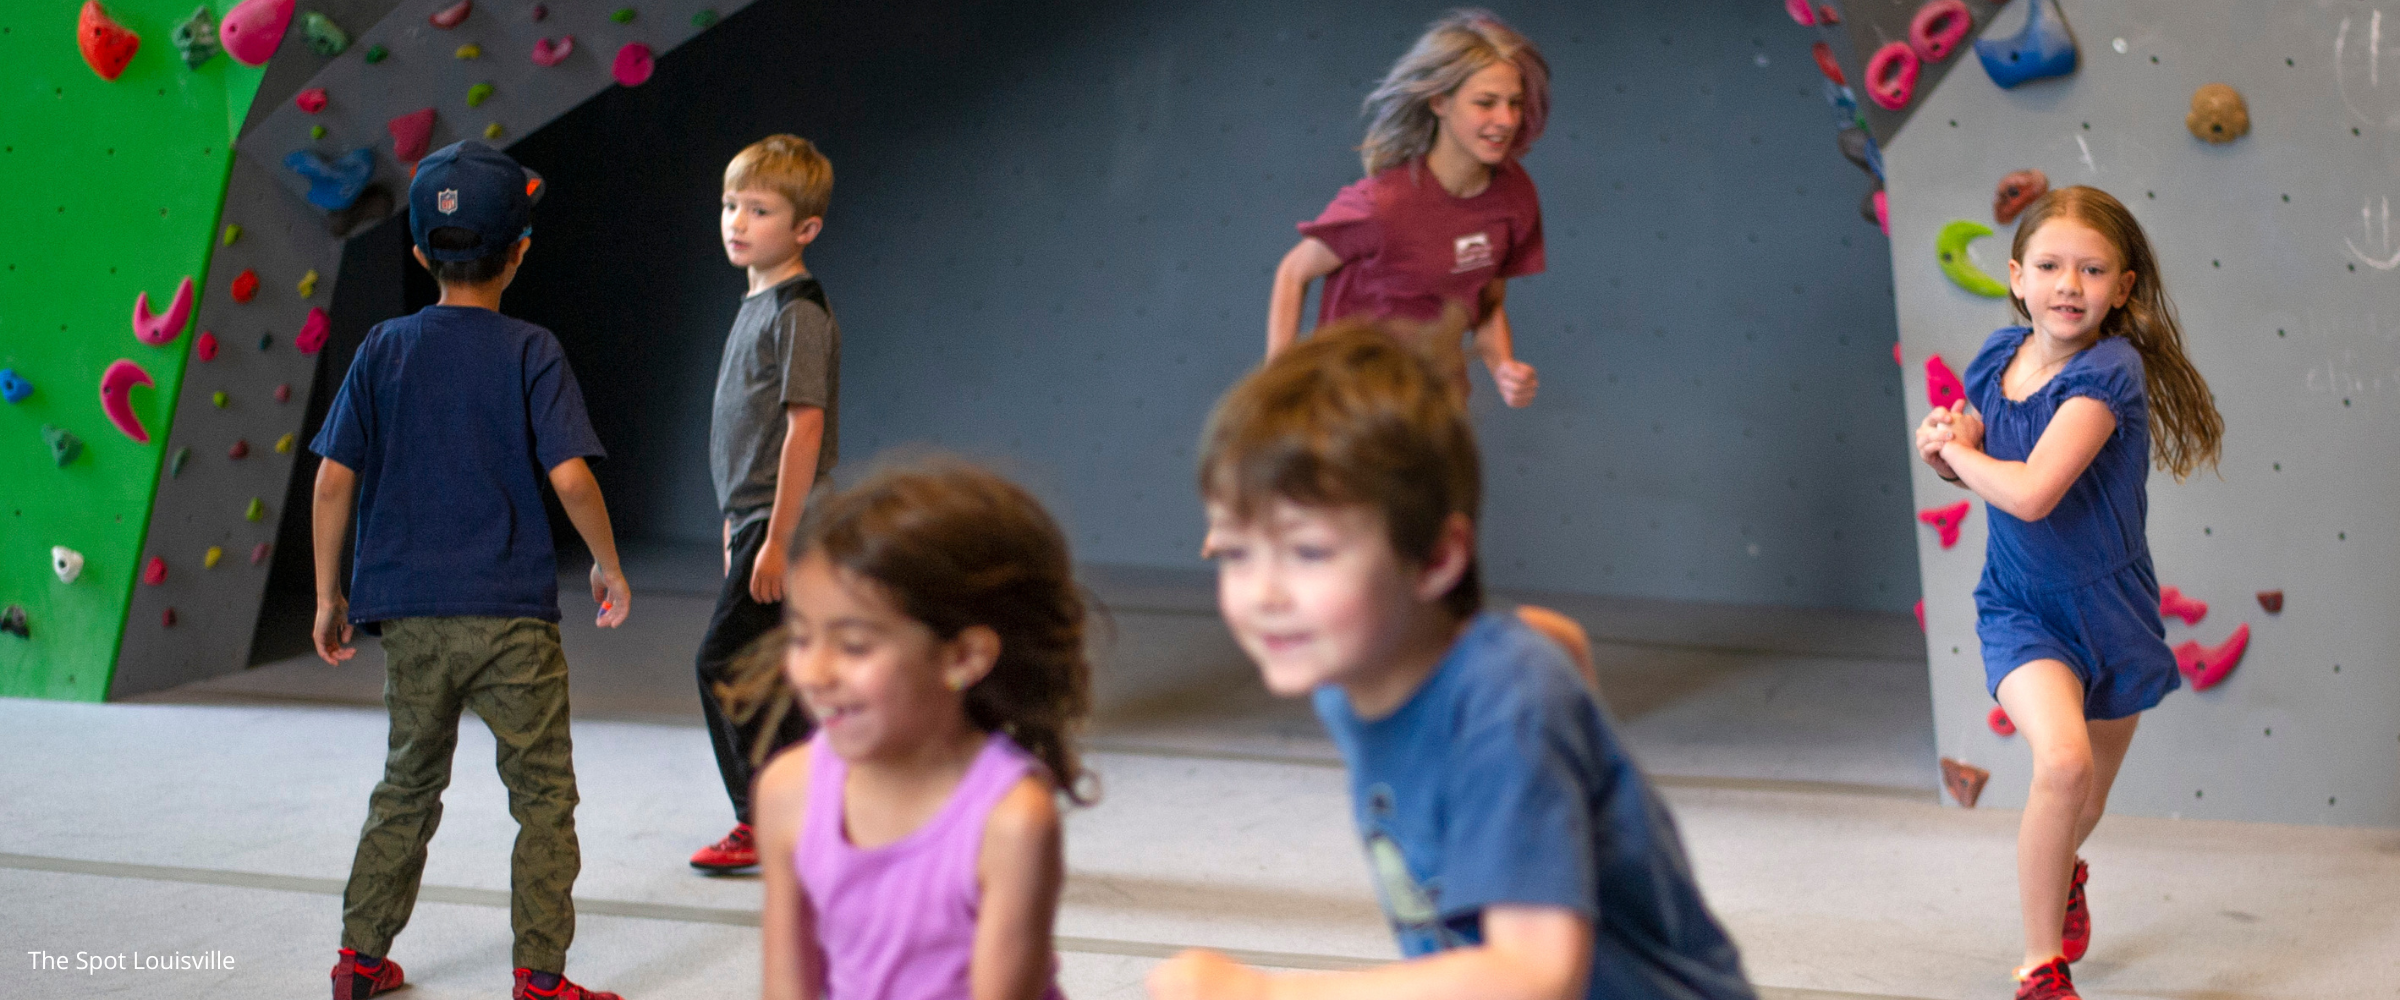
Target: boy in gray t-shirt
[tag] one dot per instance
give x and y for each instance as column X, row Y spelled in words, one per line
column 771, row 438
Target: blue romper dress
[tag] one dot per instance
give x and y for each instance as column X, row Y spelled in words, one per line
column 2076, row 586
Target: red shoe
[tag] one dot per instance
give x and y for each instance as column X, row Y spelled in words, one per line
column 353, row 983
column 2077, row 934
column 565, row 990
column 2047, row 982
column 737, row 851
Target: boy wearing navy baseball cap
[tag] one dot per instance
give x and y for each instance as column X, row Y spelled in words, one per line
column 442, row 432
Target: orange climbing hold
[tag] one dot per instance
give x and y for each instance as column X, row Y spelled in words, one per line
column 2172, row 604
column 1964, row 780
column 107, row 46
column 2206, row 666
column 1946, row 520
column 2015, row 192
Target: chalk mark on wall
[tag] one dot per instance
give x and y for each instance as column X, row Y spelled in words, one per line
column 2371, row 52
column 2376, row 229
column 2341, row 374
column 2087, row 155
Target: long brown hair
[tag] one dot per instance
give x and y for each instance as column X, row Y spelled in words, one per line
column 2186, row 428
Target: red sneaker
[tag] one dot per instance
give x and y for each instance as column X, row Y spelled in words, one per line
column 735, row 852
column 2047, row 982
column 353, row 983
column 2077, row 934
column 565, row 990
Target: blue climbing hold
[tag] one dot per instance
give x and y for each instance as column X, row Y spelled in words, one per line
column 13, row 386
column 2041, row 50
column 333, row 186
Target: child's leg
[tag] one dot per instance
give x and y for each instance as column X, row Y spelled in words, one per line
column 522, row 696
column 2110, row 739
column 2045, row 700
column 420, row 690
column 737, row 622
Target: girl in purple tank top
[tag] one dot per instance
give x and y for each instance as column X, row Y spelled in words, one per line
column 912, row 848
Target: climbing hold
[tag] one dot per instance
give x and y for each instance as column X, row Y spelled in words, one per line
column 12, row 621
column 2000, row 722
column 311, row 100
column 208, row 560
column 1950, row 246
column 107, row 46
column 478, row 94
column 411, row 134
column 1859, row 148
column 220, row 398
column 245, row 285
column 325, row 38
column 116, row 392
column 467, row 51
column 256, row 511
column 196, row 37
column 206, row 346
column 265, row 341
column 549, row 53
column 2016, row 191
column 308, row 283
column 2040, row 50
column 492, row 130
column 373, row 205
column 161, row 330
column 633, row 65
column 66, row 562
column 312, row 331
column 622, row 15
column 704, row 18
column 258, row 553
column 233, row 231
column 1920, row 614
column 449, row 17
column 240, row 449
column 1946, row 521
column 14, row 387
column 1892, row 75
column 2207, row 666
column 1938, row 28
column 2272, row 600
column 1942, row 386
column 1883, row 214
column 2172, row 604
column 316, row 131
column 1827, row 65
column 2218, row 114
column 1964, row 781
column 539, row 12
column 166, row 619
column 253, row 29
column 1802, row 14
column 175, row 462
column 376, row 54
column 1828, row 15
column 64, row 445
column 283, row 393
column 283, row 445
column 154, row 572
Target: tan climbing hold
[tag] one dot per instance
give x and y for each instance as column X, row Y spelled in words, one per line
column 2218, row 114
column 1964, row 781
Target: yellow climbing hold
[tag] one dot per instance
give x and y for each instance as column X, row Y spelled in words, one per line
column 469, row 51
column 210, row 560
column 492, row 131
column 283, row 445
column 308, row 283
column 233, row 231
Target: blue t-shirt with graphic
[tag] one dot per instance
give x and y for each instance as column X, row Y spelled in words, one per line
column 452, row 419
column 1500, row 782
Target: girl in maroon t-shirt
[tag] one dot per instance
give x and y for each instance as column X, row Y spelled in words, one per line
column 1445, row 215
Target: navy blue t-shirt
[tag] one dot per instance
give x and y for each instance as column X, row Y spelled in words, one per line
column 452, row 419
column 1500, row 782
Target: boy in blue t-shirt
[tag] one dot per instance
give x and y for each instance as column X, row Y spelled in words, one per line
column 1518, row 851
column 444, row 430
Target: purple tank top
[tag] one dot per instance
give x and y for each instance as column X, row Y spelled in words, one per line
column 898, row 922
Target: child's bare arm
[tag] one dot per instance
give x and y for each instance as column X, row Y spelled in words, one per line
column 1528, row 953
column 1497, row 346
column 579, row 493
column 2031, row 489
column 329, row 527
column 1022, row 868
column 1308, row 260
column 795, row 475
column 794, row 967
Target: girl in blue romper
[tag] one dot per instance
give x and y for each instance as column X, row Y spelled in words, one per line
column 2058, row 446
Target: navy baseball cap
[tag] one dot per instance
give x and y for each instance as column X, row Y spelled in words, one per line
column 471, row 186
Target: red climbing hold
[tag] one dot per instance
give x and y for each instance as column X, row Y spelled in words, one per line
column 449, row 17
column 167, row 620
column 253, row 28
column 312, row 332
column 2272, row 600
column 1828, row 15
column 633, row 65
column 154, row 572
column 2016, row 191
column 2172, row 604
column 245, row 286
column 2000, row 722
column 549, row 53
column 1938, row 28
column 240, row 449
column 1802, row 13
column 1964, row 780
column 116, row 392
column 2205, row 666
column 106, row 45
column 1827, row 65
column 1942, row 386
column 1892, row 75
column 1946, row 520
column 1920, row 614
column 159, row 331
column 206, row 346
column 311, row 100
column 283, row 393
column 412, row 133
column 258, row 553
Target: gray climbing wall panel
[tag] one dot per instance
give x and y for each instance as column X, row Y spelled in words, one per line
column 199, row 621
column 2276, row 251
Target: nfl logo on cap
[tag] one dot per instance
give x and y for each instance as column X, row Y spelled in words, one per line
column 447, row 201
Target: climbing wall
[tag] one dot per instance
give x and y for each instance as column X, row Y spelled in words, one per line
column 112, row 193
column 2276, row 249
column 328, row 161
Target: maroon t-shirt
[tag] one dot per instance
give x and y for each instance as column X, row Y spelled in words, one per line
column 1408, row 246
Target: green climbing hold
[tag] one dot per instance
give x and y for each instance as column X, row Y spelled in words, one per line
column 492, row 131
column 478, row 94
column 233, row 231
column 220, row 399
column 175, row 463
column 325, row 38
column 622, row 15
column 196, row 37
column 375, row 54
column 316, row 131
column 1950, row 248
column 257, row 510
column 704, row 18
column 64, row 445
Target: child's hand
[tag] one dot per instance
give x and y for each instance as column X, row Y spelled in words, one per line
column 614, row 595
column 766, row 573
column 1517, row 382
column 1938, row 428
column 1966, row 429
column 331, row 635
column 1205, row 975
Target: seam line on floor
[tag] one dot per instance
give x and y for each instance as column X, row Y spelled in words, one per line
column 1661, row 780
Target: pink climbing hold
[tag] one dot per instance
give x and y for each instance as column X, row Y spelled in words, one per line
column 253, row 29
column 283, row 393
column 1802, row 13
column 311, row 100
column 633, row 64
column 154, row 572
column 1892, row 75
column 1883, row 213
column 159, row 331
column 2000, row 722
column 2172, row 604
column 2207, row 666
column 1938, row 28
column 167, row 619
column 1920, row 614
column 1946, row 520
column 549, row 53
column 449, row 17
column 1942, row 386
column 412, row 135
column 116, row 392
column 240, row 449
column 206, row 346
column 258, row 553
column 312, row 332
column 1896, row 353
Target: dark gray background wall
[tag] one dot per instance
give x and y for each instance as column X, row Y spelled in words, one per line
column 1053, row 227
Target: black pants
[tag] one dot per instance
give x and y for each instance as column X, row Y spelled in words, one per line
column 738, row 621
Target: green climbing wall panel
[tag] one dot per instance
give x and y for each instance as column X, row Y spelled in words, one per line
column 112, row 189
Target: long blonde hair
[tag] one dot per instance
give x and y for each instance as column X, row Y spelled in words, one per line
column 2188, row 431
column 1400, row 121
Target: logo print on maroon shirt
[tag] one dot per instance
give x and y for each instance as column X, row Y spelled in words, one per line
column 1474, row 251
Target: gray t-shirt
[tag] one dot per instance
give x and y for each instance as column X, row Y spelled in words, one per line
column 785, row 350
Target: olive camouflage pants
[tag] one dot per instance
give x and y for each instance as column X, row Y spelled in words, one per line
column 510, row 672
